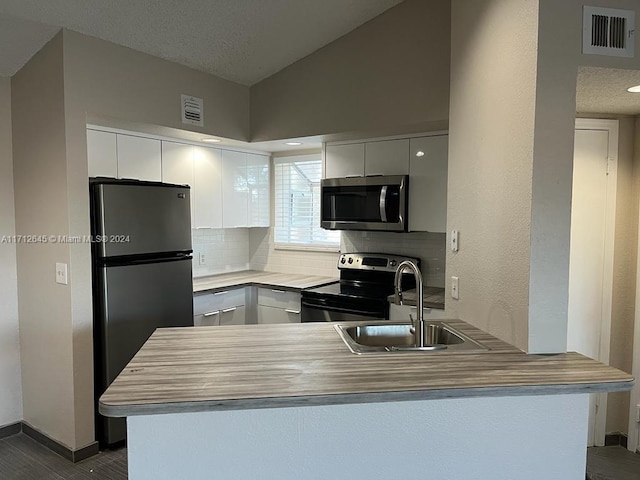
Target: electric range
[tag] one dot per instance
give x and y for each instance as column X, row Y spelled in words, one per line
column 366, row 280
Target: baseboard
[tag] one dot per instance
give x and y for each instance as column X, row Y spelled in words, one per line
column 9, row 430
column 57, row 447
column 611, row 439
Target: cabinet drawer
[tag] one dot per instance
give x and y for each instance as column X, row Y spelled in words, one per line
column 279, row 298
column 209, row 319
column 209, row 302
column 277, row 315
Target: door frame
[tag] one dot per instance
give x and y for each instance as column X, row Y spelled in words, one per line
column 612, row 126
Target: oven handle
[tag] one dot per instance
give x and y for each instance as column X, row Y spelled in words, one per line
column 383, row 203
column 339, row 310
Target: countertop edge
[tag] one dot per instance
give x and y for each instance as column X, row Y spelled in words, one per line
column 252, row 281
column 367, row 397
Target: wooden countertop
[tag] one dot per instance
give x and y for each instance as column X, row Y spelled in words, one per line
column 263, row 366
column 433, row 297
column 288, row 281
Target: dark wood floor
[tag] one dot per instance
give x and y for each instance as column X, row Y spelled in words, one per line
column 22, row 458
column 612, row 463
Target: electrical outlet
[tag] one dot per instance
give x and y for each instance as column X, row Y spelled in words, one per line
column 454, row 240
column 202, row 259
column 455, row 293
column 61, row 274
column 638, row 413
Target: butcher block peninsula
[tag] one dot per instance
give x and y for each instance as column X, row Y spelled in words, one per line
column 293, row 402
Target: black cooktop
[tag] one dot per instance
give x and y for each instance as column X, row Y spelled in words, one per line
column 353, row 289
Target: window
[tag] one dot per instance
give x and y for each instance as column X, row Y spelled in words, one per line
column 297, row 204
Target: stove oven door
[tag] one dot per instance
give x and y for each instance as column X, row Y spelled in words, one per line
column 329, row 309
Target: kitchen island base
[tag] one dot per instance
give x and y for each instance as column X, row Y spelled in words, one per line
column 497, row 438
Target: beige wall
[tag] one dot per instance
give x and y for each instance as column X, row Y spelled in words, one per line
column 493, row 82
column 390, row 75
column 40, row 179
column 624, row 280
column 10, row 377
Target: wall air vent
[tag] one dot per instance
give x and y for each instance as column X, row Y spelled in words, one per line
column 608, row 31
column 192, row 110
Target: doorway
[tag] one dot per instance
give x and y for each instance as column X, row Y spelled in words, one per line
column 591, row 253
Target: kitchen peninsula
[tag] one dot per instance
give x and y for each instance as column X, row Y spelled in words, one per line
column 292, row 402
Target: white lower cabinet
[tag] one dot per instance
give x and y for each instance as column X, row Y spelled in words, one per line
column 278, row 306
column 402, row 313
column 226, row 307
column 233, row 316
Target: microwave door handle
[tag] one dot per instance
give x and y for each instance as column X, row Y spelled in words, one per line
column 383, row 203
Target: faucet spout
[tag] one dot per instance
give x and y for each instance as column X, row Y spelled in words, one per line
column 418, row 323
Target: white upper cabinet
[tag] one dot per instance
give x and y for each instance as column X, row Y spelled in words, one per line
column 102, row 154
column 207, row 188
column 387, row 157
column 259, row 195
column 428, row 184
column 235, row 192
column 177, row 167
column 139, row 158
column 344, row 160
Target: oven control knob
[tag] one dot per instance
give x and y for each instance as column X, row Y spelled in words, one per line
column 350, row 260
column 343, row 260
column 393, row 263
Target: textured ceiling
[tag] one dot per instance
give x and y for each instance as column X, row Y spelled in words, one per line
column 241, row 40
column 604, row 91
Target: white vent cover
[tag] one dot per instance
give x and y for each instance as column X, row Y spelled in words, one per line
column 608, row 31
column 192, row 110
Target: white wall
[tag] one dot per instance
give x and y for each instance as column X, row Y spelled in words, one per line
column 501, row 438
column 491, row 128
column 10, row 375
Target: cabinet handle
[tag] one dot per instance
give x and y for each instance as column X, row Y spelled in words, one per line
column 227, row 310
column 278, row 291
column 221, row 293
column 353, row 176
column 210, row 314
column 295, row 312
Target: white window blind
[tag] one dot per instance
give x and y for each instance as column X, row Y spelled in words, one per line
column 297, row 203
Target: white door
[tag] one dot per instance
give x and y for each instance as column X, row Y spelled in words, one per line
column 590, row 263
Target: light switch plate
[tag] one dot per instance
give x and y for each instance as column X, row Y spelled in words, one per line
column 61, row 274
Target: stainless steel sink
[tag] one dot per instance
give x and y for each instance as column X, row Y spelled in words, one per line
column 396, row 337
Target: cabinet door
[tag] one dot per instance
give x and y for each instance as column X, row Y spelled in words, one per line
column 177, row 167
column 235, row 194
column 233, row 316
column 270, row 315
column 258, row 185
column 344, row 160
column 208, row 319
column 139, row 158
column 387, row 157
column 102, row 154
column 428, row 184
column 207, row 187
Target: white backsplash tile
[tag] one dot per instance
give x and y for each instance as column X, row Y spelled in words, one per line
column 225, row 250
column 236, row 249
column 430, row 248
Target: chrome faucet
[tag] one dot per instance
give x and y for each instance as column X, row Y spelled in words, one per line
column 418, row 323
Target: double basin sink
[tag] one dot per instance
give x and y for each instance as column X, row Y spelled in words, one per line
column 439, row 337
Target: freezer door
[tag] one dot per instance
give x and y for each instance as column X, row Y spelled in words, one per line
column 134, row 219
column 134, row 301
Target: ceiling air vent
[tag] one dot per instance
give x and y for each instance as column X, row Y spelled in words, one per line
column 192, row 110
column 608, row 31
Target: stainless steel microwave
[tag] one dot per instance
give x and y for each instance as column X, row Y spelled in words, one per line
column 365, row 203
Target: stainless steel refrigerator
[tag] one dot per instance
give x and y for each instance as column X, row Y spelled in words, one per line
column 141, row 265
